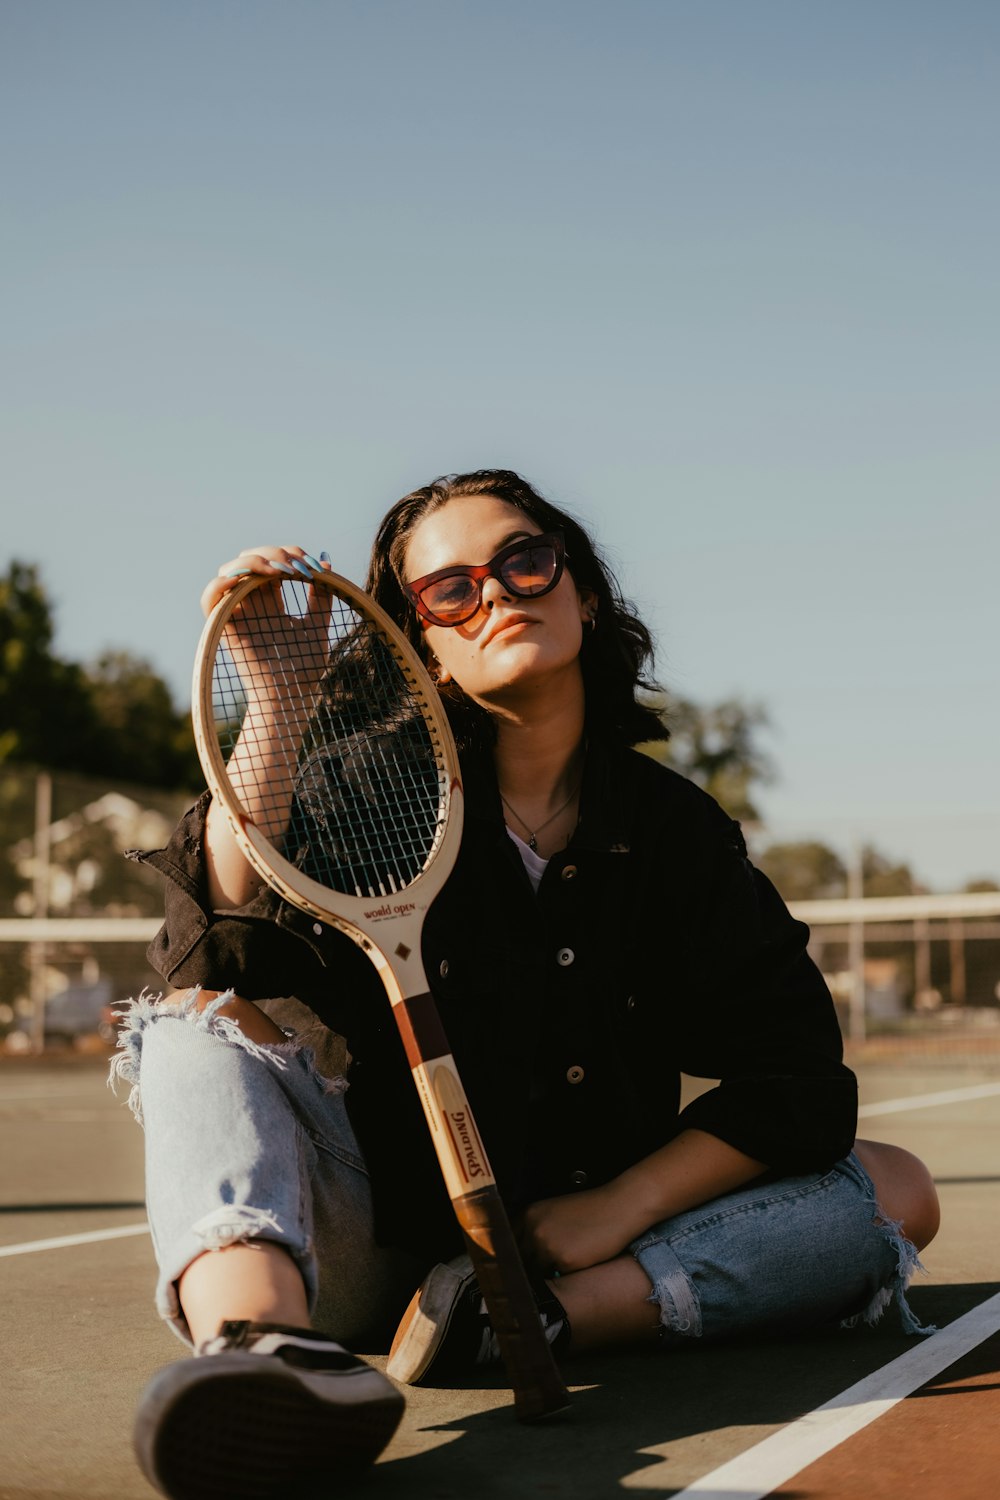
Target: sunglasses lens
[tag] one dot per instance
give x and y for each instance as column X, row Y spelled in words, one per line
column 452, row 598
column 531, row 570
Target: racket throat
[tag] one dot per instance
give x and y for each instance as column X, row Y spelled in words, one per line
column 463, row 1160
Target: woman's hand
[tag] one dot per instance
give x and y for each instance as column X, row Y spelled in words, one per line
column 583, row 1229
column 279, row 656
column 269, row 562
column 281, row 659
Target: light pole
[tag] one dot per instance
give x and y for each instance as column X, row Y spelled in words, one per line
column 40, row 907
column 856, row 944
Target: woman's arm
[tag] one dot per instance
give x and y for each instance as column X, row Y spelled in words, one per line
column 281, row 688
column 757, row 1016
column 583, row 1229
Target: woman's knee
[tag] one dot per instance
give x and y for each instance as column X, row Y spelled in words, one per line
column 904, row 1188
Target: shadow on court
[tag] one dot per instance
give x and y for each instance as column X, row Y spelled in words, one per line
column 649, row 1423
column 81, row 1338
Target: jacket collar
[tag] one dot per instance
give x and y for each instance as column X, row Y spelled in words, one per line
column 607, row 791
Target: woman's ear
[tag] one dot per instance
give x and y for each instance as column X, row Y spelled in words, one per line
column 440, row 674
column 588, row 607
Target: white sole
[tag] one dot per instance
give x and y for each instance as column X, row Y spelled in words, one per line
column 425, row 1324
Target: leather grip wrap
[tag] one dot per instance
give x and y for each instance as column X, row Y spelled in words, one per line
column 538, row 1387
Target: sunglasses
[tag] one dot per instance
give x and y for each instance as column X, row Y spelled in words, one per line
column 527, row 568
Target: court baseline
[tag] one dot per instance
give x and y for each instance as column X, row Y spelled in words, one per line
column 759, row 1471
column 91, row 1237
column 886, row 1106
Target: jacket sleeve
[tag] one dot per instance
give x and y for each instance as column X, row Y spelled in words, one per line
column 760, row 1018
column 261, row 950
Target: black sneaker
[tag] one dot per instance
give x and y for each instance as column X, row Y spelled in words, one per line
column 446, row 1330
column 264, row 1411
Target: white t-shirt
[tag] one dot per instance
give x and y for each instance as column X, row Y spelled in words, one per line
column 533, row 863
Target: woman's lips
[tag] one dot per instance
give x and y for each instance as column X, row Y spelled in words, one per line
column 507, row 624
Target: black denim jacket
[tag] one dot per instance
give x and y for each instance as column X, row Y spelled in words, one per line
column 653, row 947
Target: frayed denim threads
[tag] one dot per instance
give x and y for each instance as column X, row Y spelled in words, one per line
column 246, row 1141
column 793, row 1254
column 136, row 1015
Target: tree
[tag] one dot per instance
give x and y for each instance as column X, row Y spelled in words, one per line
column 717, row 747
column 882, row 876
column 114, row 719
column 806, row 871
column 812, row 871
column 45, row 712
column 143, row 737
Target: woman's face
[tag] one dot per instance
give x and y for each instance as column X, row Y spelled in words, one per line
column 510, row 644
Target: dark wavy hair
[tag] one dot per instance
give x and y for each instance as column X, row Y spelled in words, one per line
column 614, row 654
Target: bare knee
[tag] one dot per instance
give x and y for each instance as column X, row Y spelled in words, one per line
column 904, row 1188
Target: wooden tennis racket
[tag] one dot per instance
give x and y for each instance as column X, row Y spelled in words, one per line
column 322, row 737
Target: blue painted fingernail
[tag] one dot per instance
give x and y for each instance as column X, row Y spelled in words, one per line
column 313, row 563
column 283, row 567
column 236, row 572
column 324, row 557
column 300, row 567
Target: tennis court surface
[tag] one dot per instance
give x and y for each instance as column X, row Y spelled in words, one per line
column 842, row 1414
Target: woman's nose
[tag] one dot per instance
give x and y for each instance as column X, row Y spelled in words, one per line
column 493, row 590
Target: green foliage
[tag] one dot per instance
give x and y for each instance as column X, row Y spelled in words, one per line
column 716, row 746
column 806, row 871
column 45, row 713
column 114, row 718
column 144, row 737
column 883, row 877
column 812, row 871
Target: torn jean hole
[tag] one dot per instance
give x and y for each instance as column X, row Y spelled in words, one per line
column 233, row 1223
column 908, row 1263
column 136, row 1015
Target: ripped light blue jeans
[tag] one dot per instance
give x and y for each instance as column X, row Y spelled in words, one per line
column 247, row 1140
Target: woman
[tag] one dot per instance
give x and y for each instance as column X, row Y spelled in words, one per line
column 602, row 932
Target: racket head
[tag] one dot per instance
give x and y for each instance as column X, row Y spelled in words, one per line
column 375, row 814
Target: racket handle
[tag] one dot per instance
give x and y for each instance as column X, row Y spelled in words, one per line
column 538, row 1387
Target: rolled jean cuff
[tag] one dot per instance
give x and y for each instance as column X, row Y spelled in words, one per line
column 231, row 1225
column 798, row 1253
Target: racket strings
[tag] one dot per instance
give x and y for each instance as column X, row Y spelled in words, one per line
column 326, row 740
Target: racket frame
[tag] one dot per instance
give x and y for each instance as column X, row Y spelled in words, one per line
column 388, row 929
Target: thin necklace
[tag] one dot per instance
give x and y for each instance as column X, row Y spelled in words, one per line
column 534, row 832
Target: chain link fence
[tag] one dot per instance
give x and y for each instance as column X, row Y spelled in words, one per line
column 76, row 916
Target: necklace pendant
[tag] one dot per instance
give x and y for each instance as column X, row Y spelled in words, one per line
column 533, row 844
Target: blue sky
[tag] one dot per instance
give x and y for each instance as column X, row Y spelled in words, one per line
column 718, row 276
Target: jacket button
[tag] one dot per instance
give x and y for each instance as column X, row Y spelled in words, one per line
column 443, row 968
column 318, row 929
column 565, row 957
column 569, row 872
column 578, row 1179
column 574, row 1074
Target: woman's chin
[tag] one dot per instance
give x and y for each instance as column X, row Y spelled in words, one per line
column 527, row 677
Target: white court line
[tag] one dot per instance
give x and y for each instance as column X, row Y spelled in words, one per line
column 762, row 1468
column 924, row 1101
column 89, row 1238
